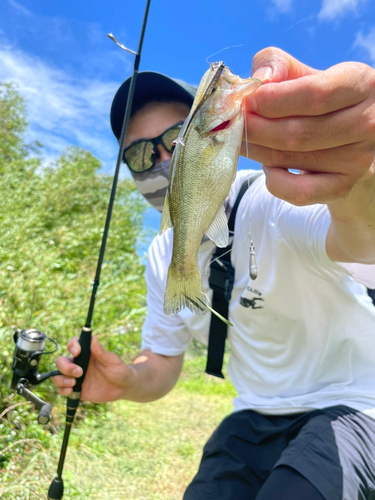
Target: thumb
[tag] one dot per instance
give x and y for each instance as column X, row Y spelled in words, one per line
column 275, row 65
column 103, row 356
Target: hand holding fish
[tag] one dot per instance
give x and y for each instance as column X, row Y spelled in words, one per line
column 319, row 122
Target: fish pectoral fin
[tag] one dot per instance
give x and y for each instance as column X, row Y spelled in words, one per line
column 218, row 231
column 165, row 222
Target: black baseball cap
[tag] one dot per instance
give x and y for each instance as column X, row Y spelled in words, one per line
column 149, row 84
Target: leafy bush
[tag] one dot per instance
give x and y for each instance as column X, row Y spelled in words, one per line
column 51, row 220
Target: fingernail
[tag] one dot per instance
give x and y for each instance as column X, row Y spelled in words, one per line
column 77, row 372
column 74, row 351
column 67, row 381
column 263, row 74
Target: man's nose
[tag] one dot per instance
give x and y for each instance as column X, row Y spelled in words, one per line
column 163, row 153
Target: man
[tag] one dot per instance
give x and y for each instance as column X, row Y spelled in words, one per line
column 303, row 362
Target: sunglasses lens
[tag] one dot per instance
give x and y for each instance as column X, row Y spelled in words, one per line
column 139, row 157
column 169, row 136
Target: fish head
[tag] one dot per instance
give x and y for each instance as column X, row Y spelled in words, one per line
column 222, row 108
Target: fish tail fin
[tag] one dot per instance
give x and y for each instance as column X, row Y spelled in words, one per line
column 184, row 290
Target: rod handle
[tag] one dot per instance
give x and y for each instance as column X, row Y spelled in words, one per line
column 83, row 359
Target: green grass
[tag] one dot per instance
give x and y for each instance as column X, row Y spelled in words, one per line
column 132, row 451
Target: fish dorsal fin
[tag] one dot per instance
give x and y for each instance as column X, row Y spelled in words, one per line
column 165, row 222
column 218, row 231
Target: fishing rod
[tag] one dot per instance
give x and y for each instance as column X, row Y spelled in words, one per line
column 56, row 489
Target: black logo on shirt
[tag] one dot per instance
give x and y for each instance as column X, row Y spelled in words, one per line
column 251, row 302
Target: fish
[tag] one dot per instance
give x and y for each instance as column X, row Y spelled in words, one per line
column 203, row 167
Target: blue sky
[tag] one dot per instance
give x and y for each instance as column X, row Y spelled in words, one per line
column 68, row 70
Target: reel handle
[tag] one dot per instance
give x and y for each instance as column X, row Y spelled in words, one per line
column 45, row 414
column 45, row 408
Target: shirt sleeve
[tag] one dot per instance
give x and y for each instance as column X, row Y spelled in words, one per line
column 306, row 228
column 362, row 273
column 166, row 335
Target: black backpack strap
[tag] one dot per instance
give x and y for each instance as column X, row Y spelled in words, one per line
column 371, row 293
column 221, row 282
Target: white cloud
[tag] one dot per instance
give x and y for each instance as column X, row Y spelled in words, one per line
column 367, row 42
column 74, row 45
column 65, row 71
column 283, row 6
column 20, row 8
column 62, row 109
column 332, row 9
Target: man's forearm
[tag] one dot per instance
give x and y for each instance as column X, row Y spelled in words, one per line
column 153, row 376
column 351, row 237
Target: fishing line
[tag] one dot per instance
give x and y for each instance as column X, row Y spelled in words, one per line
column 231, row 233
column 247, row 156
column 245, row 124
column 221, row 50
column 216, row 260
column 301, row 21
column 253, row 268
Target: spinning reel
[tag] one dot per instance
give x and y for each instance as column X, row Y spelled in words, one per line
column 28, row 351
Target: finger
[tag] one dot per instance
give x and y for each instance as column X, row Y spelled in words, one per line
column 275, row 65
column 306, row 189
column 66, row 391
column 74, row 347
column 101, row 355
column 342, row 127
column 61, row 381
column 335, row 160
column 67, row 367
column 316, row 94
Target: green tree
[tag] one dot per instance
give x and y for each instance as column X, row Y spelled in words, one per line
column 51, row 221
column 12, row 124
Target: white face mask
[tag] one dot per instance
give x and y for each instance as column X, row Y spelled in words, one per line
column 153, row 183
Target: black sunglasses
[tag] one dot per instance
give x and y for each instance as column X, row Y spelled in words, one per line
column 141, row 155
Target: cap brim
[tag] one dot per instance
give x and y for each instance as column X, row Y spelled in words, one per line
column 148, row 84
